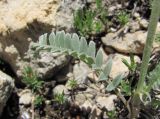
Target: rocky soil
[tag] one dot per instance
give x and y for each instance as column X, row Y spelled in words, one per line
column 22, row 22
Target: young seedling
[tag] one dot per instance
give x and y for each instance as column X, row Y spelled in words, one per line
column 123, row 18
column 38, row 101
column 31, row 79
column 111, row 114
column 83, row 21
column 73, row 84
column 132, row 65
column 88, row 21
column 60, row 98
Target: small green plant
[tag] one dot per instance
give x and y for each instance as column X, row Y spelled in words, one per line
column 123, row 18
column 83, row 21
column 31, row 79
column 111, row 114
column 38, row 101
column 88, row 21
column 73, row 84
column 155, row 103
column 125, row 88
column 60, row 98
column 132, row 65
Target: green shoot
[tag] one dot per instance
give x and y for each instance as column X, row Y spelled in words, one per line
column 38, row 101
column 60, row 98
column 31, row 80
column 132, row 65
column 72, row 83
column 123, row 18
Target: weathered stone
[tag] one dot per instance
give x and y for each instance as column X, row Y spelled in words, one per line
column 136, row 15
column 80, row 72
column 130, row 43
column 119, row 67
column 106, row 102
column 26, row 97
column 47, row 64
column 87, row 104
column 80, row 99
column 134, row 26
column 144, row 23
column 59, row 89
column 6, row 88
column 96, row 113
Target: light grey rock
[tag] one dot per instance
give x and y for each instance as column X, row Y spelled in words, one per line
column 106, row 102
column 26, row 97
column 47, row 64
column 130, row 43
column 134, row 26
column 6, row 88
column 80, row 99
column 90, row 106
column 118, row 67
column 144, row 23
column 136, row 15
column 25, row 115
column 80, row 72
column 87, row 104
column 96, row 113
column 111, row 9
column 59, row 89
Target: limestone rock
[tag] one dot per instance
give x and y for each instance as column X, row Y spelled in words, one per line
column 106, row 102
column 87, row 104
column 6, row 88
column 47, row 64
column 59, row 89
column 80, row 72
column 134, row 26
column 130, row 43
column 144, row 23
column 26, row 97
column 80, row 99
column 95, row 112
column 118, row 66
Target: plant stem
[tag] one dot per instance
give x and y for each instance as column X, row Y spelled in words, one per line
column 148, row 47
column 146, row 56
